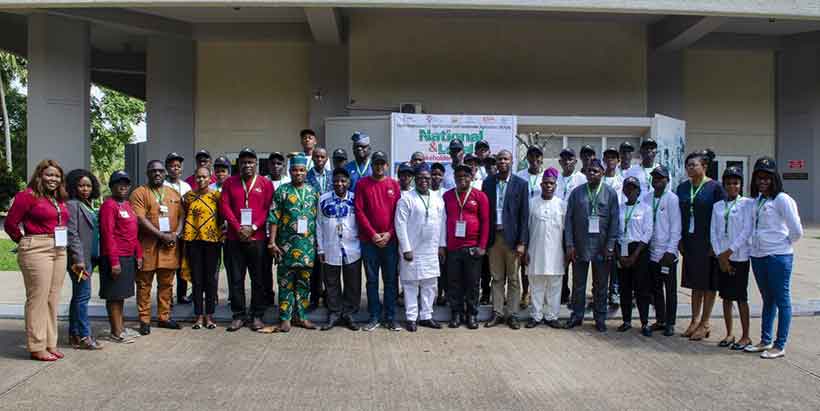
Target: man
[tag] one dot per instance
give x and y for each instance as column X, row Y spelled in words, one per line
column 203, row 159
column 222, row 170
column 643, row 171
column 276, row 167
column 568, row 181
column 625, row 150
column 466, row 231
column 173, row 169
column 405, row 174
column 376, row 200
column 246, row 200
column 472, row 162
column 482, row 151
column 320, row 179
column 339, row 251
column 292, row 240
column 612, row 179
column 360, row 166
column 436, row 178
column 587, row 153
column 545, row 254
column 532, row 175
column 339, row 158
column 589, row 236
column 161, row 219
column 507, row 240
column 419, row 220
column 307, row 138
column 456, row 159
column 663, row 250
column 416, row 159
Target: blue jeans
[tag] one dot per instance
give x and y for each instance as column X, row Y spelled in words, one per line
column 78, row 309
column 387, row 259
column 773, row 276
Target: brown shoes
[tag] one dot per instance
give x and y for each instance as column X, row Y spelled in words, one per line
column 85, row 343
column 701, row 332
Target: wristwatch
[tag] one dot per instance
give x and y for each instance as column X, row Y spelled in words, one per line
column 254, row 227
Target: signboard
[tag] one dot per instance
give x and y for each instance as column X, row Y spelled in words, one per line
column 670, row 134
column 797, row 164
column 431, row 134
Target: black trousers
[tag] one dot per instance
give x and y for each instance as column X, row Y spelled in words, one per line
column 463, row 275
column 182, row 286
column 248, row 256
column 636, row 280
column 600, row 281
column 486, row 277
column 665, row 293
column 343, row 300
column 316, row 283
column 614, row 278
column 442, row 279
column 203, row 257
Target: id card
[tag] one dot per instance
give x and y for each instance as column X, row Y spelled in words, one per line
column 625, row 248
column 163, row 209
column 499, row 214
column 594, row 227
column 301, row 225
column 246, row 216
column 164, row 224
column 60, row 236
column 461, row 229
column 124, row 214
column 692, row 225
column 665, row 270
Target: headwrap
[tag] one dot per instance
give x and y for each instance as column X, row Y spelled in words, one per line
column 550, row 172
column 360, row 139
column 299, row 160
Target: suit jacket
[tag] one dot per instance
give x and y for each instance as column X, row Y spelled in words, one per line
column 576, row 223
column 80, row 234
column 516, row 210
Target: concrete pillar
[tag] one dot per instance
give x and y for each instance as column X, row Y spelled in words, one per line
column 58, row 91
column 329, row 84
column 169, row 101
column 665, row 83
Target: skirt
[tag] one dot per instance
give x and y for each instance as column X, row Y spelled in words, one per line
column 735, row 287
column 700, row 272
column 121, row 288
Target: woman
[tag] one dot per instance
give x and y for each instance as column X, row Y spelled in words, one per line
column 41, row 254
column 731, row 228
column 203, row 234
column 700, row 271
column 121, row 253
column 83, row 251
column 776, row 227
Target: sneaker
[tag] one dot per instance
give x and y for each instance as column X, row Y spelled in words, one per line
column 391, row 325
column 121, row 339
column 773, row 353
column 759, row 347
column 371, row 325
column 131, row 333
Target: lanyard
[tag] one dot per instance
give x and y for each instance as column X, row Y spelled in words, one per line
column 656, row 203
column 300, row 194
column 501, row 193
column 59, row 213
column 87, row 208
column 361, row 171
column 322, row 180
column 247, row 190
column 533, row 184
column 648, row 176
column 594, row 200
column 726, row 212
column 159, row 195
column 628, row 215
column 761, row 201
column 461, row 203
column 566, row 181
column 426, row 203
column 693, row 194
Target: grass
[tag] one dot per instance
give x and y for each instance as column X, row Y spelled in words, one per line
column 8, row 260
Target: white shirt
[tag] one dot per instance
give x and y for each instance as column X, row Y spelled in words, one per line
column 565, row 185
column 449, row 177
column 546, row 224
column 775, row 227
column 640, row 226
column 644, row 175
column 533, row 182
column 736, row 233
column 335, row 216
column 666, row 231
column 617, row 184
column 276, row 183
column 419, row 221
column 180, row 186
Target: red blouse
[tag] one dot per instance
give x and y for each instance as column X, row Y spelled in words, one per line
column 118, row 231
column 38, row 215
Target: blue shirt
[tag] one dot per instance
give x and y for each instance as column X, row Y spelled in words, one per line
column 353, row 168
column 322, row 183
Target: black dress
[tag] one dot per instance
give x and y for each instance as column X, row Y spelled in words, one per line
column 121, row 288
column 700, row 271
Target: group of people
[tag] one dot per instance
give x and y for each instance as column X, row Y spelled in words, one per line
column 461, row 234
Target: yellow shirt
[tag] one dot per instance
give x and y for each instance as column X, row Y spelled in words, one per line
column 202, row 217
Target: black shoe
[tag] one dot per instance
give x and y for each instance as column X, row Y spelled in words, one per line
column 494, row 320
column 513, row 323
column 170, row 325
column 472, row 322
column 572, row 323
column 554, row 324
column 624, row 327
column 332, row 321
column 431, row 323
column 657, row 327
column 440, row 300
column 646, row 331
column 669, row 331
column 532, row 323
column 145, row 329
column 600, row 326
column 411, row 326
column 351, row 325
column 455, row 320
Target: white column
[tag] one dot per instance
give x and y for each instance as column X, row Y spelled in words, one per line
column 58, row 91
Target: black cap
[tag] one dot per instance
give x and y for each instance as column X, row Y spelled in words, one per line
column 471, row 157
column 341, row 170
column 118, row 176
column 202, row 153
column 567, row 152
column 766, row 164
column 596, row 163
column 587, row 149
column 379, row 156
column 340, row 153
column 649, row 142
column 405, row 168
column 174, row 156
column 438, row 166
column 247, row 152
column 275, row 154
column 612, row 150
column 708, row 153
column 463, row 167
column 456, row 145
column 490, row 160
column 482, row 143
column 535, row 149
column 222, row 161
column 626, row 146
column 733, row 171
column 633, row 181
column 661, row 171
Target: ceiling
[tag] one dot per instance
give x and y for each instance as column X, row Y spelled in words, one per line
column 768, row 27
column 229, row 14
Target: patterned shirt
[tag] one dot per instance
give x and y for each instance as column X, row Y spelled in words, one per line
column 293, row 205
column 201, row 217
column 322, row 183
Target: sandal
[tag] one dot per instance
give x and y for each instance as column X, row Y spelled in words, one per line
column 268, row 330
column 210, row 325
column 726, row 342
column 49, row 357
column 740, row 347
column 196, row 326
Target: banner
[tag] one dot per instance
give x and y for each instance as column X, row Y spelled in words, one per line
column 431, row 135
column 670, row 134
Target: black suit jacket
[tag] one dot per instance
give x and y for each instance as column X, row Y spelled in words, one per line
column 516, row 210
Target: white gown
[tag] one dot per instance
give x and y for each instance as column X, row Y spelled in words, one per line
column 546, row 225
column 419, row 234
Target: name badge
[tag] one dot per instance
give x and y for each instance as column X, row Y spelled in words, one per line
column 124, row 214
column 625, row 248
column 594, row 227
column 302, row 225
column 664, row 270
column 246, row 216
column 461, row 229
column 340, row 229
column 164, row 224
column 692, row 225
column 163, row 209
column 499, row 216
column 60, row 236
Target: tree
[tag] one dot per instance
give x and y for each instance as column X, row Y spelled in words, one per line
column 113, row 117
column 11, row 67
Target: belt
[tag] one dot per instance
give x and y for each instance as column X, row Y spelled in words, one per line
column 39, row 235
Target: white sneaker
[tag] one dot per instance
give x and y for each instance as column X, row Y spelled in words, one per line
column 132, row 333
column 758, row 347
column 773, row 353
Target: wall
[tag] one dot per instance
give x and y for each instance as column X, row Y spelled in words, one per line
column 252, row 94
column 503, row 65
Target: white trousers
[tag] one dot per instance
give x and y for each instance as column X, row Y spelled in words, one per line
column 427, row 289
column 545, row 297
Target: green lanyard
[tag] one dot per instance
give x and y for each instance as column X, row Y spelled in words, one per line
column 726, row 212
column 648, row 176
column 533, row 184
column 502, row 192
column 693, row 194
column 761, row 201
column 300, row 194
column 159, row 196
column 361, row 171
column 594, row 200
column 656, row 203
column 322, row 181
column 426, row 204
column 566, row 181
column 59, row 213
column 628, row 215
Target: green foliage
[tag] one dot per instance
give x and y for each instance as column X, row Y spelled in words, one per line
column 113, row 116
column 16, row 104
column 8, row 260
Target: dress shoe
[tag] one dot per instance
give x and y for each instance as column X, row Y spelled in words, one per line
column 431, row 323
column 703, row 331
column 169, row 325
column 88, row 343
column 411, row 326
column 513, row 323
column 284, row 326
column 333, row 321
column 657, row 326
column 236, row 325
column 600, row 326
column 572, row 323
column 257, row 324
column 624, row 327
column 553, row 324
column 532, row 323
column 690, row 330
column 494, row 320
column 455, row 320
column 669, row 331
column 145, row 329
column 472, row 322
column 646, row 331
column 306, row 324
column 351, row 325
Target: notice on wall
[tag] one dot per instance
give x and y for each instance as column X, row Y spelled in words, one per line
column 797, row 164
column 670, row 134
column 431, row 134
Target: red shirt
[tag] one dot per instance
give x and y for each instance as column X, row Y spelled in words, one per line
column 375, row 203
column 191, row 180
column 118, row 231
column 38, row 215
column 476, row 213
column 260, row 197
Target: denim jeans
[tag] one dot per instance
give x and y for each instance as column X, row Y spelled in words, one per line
column 78, row 309
column 387, row 259
column 773, row 275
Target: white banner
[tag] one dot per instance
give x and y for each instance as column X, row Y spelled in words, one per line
column 431, row 135
column 670, row 134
